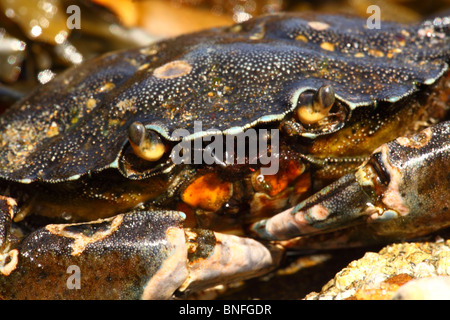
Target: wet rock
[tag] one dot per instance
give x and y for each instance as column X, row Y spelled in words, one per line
column 433, row 288
column 381, row 275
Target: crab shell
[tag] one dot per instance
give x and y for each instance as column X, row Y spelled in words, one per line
column 230, row 79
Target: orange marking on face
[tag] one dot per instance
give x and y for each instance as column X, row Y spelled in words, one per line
column 208, row 192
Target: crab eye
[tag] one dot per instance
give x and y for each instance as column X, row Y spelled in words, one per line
column 313, row 108
column 145, row 143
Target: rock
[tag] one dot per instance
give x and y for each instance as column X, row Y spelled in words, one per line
column 381, row 275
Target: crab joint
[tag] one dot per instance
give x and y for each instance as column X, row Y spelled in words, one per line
column 146, row 144
column 314, row 107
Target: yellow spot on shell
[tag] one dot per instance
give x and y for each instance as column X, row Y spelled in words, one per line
column 208, row 192
column 107, row 87
column 359, row 55
column 405, row 33
column 376, row 53
column 301, row 37
column 144, row 66
column 113, row 122
column 127, row 105
column 327, row 46
column 53, row 130
column 149, row 51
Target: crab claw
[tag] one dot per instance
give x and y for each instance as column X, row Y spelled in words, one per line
column 147, row 255
column 389, row 191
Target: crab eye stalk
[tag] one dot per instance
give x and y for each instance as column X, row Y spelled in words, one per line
column 315, row 107
column 145, row 143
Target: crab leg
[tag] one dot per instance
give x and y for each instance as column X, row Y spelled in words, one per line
column 142, row 254
column 406, row 183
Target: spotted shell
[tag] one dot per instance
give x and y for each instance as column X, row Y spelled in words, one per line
column 230, row 79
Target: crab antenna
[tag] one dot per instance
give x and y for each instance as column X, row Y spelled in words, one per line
column 314, row 108
column 146, row 144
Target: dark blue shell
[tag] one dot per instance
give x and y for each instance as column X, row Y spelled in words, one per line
column 229, row 79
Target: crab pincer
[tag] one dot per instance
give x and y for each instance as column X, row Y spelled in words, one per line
column 390, row 186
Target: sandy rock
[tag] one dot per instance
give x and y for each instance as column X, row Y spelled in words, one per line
column 381, row 275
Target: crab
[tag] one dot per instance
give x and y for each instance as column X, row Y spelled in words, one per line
column 103, row 196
